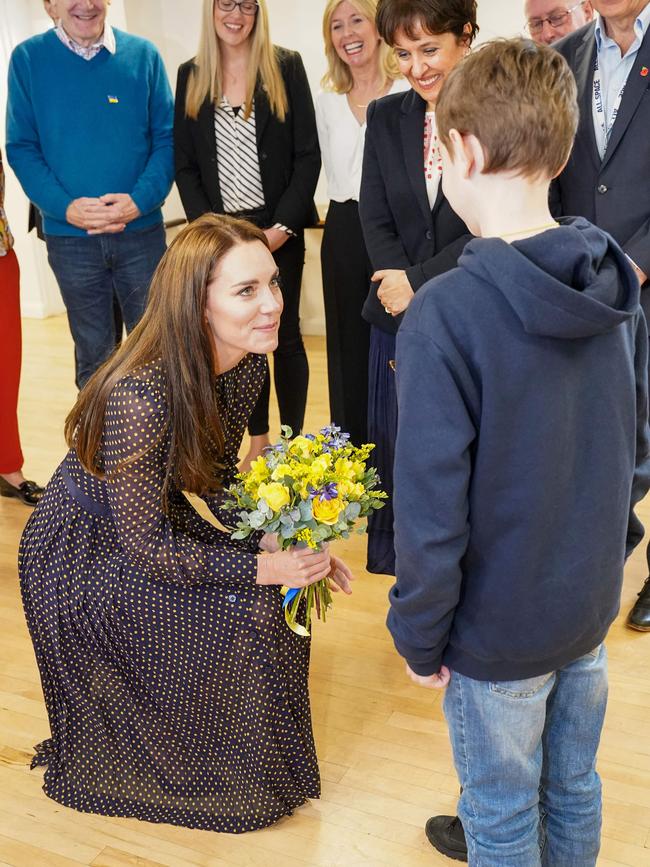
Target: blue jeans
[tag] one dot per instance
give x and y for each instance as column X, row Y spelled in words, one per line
column 91, row 271
column 525, row 754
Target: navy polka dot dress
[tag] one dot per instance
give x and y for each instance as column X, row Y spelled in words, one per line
column 175, row 691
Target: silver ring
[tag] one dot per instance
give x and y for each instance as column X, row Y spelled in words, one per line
column 387, row 309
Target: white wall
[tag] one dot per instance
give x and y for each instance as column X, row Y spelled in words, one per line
column 174, row 26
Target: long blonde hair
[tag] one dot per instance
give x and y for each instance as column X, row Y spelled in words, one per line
column 338, row 76
column 206, row 80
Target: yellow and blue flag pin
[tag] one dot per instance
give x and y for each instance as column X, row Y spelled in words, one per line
column 112, row 99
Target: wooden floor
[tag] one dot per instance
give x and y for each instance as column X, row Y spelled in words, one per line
column 382, row 743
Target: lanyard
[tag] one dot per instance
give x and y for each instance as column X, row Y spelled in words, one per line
column 599, row 104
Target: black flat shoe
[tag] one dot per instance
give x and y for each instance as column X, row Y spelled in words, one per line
column 445, row 833
column 28, row 492
column 639, row 616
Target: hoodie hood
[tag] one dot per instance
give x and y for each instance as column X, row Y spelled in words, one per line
column 569, row 282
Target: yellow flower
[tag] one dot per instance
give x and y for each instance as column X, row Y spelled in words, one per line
column 359, row 469
column 350, row 490
column 281, row 471
column 320, row 465
column 275, row 494
column 327, row 511
column 301, row 446
column 259, row 468
column 344, row 469
column 258, row 472
column 251, row 489
column 306, row 536
column 302, row 488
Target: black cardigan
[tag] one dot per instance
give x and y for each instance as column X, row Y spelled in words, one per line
column 288, row 151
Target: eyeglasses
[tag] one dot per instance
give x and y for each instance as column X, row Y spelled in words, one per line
column 556, row 20
column 248, row 7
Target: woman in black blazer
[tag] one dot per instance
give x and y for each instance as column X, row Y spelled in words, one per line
column 246, row 144
column 410, row 230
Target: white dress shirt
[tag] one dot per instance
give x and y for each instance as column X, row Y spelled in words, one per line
column 341, row 138
column 106, row 40
column 238, row 162
column 611, row 75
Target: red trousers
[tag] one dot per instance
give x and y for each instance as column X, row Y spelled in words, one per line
column 11, row 456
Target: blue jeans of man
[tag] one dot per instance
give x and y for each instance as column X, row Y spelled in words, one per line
column 525, row 754
column 91, row 271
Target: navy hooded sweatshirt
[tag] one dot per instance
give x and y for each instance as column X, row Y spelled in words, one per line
column 522, row 449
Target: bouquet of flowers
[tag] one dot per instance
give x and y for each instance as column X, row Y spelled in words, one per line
column 307, row 490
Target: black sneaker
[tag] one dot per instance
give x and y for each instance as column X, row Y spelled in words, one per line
column 445, row 833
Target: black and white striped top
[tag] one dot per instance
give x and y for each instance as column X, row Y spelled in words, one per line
column 238, row 162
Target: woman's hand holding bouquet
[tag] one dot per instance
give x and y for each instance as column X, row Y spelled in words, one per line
column 303, row 493
column 295, row 568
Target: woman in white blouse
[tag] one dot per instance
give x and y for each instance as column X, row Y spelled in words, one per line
column 246, row 145
column 360, row 69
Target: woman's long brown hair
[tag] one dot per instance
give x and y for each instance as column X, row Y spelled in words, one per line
column 174, row 331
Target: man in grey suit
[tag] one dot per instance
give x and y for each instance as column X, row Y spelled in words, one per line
column 607, row 179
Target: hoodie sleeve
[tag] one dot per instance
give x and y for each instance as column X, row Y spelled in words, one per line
column 431, row 503
column 443, row 261
column 638, row 248
column 641, row 479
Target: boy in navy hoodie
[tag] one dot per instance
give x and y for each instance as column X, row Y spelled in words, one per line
column 521, row 452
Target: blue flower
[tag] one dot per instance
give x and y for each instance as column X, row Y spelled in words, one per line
column 335, row 438
column 328, row 492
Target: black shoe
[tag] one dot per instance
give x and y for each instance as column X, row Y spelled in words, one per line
column 28, row 492
column 445, row 833
column 639, row 616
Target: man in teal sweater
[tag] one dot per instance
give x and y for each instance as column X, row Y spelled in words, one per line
column 89, row 136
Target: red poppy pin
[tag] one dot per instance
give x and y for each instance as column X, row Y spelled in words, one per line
column 644, row 71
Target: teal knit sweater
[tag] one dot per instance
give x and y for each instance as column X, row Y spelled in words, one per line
column 86, row 128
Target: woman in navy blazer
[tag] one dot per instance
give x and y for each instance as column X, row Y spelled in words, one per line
column 236, row 62
column 410, row 230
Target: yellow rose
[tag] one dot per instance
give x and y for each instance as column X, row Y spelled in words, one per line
column 359, row 469
column 301, row 446
column 275, row 494
column 327, row 511
column 281, row 471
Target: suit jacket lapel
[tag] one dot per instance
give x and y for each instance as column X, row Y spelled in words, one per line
column 584, row 75
column 206, row 125
column 440, row 198
column 262, row 113
column 412, row 130
column 635, row 87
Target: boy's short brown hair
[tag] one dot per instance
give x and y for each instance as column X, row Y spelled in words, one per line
column 520, row 101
